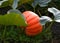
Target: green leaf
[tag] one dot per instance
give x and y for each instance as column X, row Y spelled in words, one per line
column 25, row 1
column 12, row 19
column 6, row 3
column 10, row 2
column 41, row 3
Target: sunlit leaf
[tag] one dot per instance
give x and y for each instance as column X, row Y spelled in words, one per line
column 2, row 2
column 56, row 13
column 45, row 19
column 12, row 19
column 6, row 3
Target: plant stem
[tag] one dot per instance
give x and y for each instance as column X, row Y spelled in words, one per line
column 50, row 26
column 4, row 32
column 34, row 9
column 39, row 13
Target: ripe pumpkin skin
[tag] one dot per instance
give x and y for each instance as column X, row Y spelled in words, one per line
column 33, row 23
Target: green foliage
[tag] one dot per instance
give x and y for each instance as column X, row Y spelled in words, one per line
column 10, row 2
column 12, row 19
column 41, row 3
column 25, row 1
column 17, row 34
column 6, row 3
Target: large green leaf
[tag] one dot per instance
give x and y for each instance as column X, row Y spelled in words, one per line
column 12, row 19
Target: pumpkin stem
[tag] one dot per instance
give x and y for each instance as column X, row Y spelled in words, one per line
column 15, row 4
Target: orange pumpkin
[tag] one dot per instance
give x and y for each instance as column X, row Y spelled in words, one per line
column 33, row 21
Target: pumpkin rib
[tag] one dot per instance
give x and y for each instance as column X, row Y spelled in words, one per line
column 34, row 31
column 34, row 26
column 30, row 18
column 33, row 22
column 26, row 14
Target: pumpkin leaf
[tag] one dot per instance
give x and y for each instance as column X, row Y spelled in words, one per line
column 45, row 19
column 56, row 13
column 10, row 2
column 12, row 19
column 25, row 1
column 3, row 1
column 34, row 4
column 6, row 3
column 41, row 3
